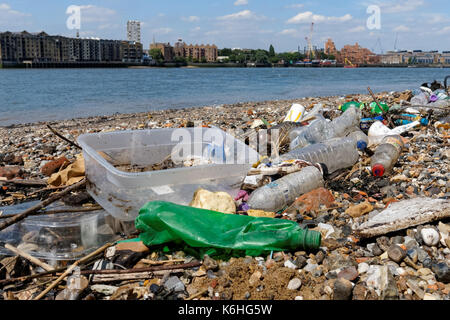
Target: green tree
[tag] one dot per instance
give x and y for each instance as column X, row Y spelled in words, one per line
column 225, row 52
column 156, row 54
column 271, row 51
column 179, row 60
column 204, row 60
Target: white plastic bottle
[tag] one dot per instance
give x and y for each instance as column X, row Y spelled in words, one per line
column 378, row 131
column 282, row 192
column 335, row 154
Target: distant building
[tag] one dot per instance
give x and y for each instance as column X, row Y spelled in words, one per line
column 330, row 48
column 134, row 31
column 196, row 52
column 131, row 51
column 166, row 49
column 357, row 55
column 41, row 47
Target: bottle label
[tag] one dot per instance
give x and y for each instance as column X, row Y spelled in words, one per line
column 397, row 143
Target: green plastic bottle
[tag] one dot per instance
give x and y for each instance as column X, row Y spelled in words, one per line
column 347, row 105
column 375, row 109
column 163, row 222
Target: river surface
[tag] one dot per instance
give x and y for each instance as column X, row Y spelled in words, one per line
column 55, row 94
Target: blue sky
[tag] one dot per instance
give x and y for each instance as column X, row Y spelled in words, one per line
column 416, row 24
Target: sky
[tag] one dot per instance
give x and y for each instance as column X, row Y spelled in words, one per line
column 401, row 24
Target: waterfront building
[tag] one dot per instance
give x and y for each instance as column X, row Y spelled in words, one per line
column 166, row 49
column 28, row 47
column 357, row 55
column 330, row 48
column 134, row 31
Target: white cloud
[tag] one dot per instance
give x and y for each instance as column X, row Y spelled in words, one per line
column 402, row 28
column 13, row 19
column 196, row 29
column 308, row 16
column 291, row 32
column 445, row 30
column 191, row 19
column 295, row 6
column 92, row 13
column 242, row 15
column 241, row 2
column 357, row 29
column 162, row 30
column 399, row 6
column 5, row 9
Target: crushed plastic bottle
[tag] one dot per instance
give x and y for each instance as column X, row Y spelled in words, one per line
column 321, row 130
column 378, row 131
column 335, row 154
column 386, row 155
column 375, row 109
column 208, row 231
column 420, row 99
column 282, row 192
column 367, row 122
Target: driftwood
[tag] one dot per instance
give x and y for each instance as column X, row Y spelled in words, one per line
column 25, row 255
column 39, row 206
column 25, row 183
column 62, row 137
column 71, row 268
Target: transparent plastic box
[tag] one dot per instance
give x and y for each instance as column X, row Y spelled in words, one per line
column 123, row 193
column 62, row 236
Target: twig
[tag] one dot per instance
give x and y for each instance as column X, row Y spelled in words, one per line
column 25, row 255
column 198, row 294
column 64, row 138
column 376, row 100
column 41, row 205
column 151, row 262
column 139, row 270
column 33, row 276
column 25, row 183
column 71, row 268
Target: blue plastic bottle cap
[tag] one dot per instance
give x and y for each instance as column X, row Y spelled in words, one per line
column 424, row 122
column 362, row 145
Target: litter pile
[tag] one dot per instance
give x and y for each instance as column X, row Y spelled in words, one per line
column 346, row 198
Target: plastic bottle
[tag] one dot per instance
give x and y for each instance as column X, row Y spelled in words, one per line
column 347, row 105
column 321, row 130
column 420, row 100
column 409, row 118
column 386, row 155
column 360, row 138
column 375, row 109
column 378, row 131
column 282, row 192
column 163, row 222
column 367, row 122
column 335, row 154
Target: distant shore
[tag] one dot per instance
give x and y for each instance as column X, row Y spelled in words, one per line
column 74, row 65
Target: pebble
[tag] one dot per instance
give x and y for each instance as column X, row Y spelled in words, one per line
column 349, row 273
column 294, row 284
column 396, row 253
column 363, row 268
column 104, row 289
column 174, row 283
column 300, row 262
column 442, row 272
column 430, row 236
column 209, row 263
column 254, row 278
column 342, row 289
column 289, row 264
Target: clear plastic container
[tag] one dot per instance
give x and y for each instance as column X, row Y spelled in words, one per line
column 63, row 236
column 224, row 163
column 360, row 138
column 322, row 130
column 282, row 192
column 337, row 153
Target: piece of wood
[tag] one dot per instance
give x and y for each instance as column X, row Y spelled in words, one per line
column 26, row 183
column 62, row 137
column 155, row 263
column 71, row 268
column 41, row 205
column 132, row 276
column 198, row 294
column 25, row 255
column 149, row 269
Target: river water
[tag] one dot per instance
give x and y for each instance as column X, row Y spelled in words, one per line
column 31, row 95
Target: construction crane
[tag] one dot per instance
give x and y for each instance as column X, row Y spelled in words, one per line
column 396, row 41
column 310, row 54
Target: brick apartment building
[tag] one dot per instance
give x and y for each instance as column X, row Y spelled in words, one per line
column 354, row 53
column 192, row 52
column 41, row 47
